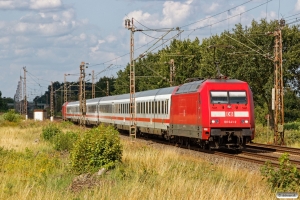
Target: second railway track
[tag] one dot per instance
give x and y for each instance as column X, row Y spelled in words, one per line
column 274, row 148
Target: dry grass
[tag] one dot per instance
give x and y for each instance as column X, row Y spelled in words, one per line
column 146, row 173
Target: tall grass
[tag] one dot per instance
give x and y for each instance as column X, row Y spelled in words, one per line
column 32, row 169
column 265, row 135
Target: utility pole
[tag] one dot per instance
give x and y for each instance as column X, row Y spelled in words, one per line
column 65, row 91
column 107, row 88
column 20, row 96
column 25, row 96
column 278, row 87
column 132, row 131
column 93, row 84
column 172, row 72
column 82, row 100
column 51, row 103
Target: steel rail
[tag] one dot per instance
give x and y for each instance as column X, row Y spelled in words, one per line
column 268, row 147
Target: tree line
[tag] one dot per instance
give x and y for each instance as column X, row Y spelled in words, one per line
column 244, row 53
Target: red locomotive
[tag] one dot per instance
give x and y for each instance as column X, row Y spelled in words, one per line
column 214, row 113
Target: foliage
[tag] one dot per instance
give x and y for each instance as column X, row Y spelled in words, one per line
column 260, row 115
column 66, row 124
column 64, row 141
column 3, row 103
column 11, row 116
column 50, row 131
column 292, row 137
column 286, row 178
column 99, row 147
column 292, row 125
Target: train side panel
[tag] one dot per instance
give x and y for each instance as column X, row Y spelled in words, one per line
column 184, row 116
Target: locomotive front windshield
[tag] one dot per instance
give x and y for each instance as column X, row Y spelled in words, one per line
column 228, row 97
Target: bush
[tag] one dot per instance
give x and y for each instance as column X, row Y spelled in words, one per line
column 11, row 116
column 286, row 178
column 50, row 131
column 65, row 141
column 99, row 147
column 292, row 126
column 66, row 124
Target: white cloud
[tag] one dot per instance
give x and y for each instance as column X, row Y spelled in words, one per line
column 96, row 48
column 232, row 16
column 111, row 38
column 173, row 13
column 270, row 15
column 297, row 6
column 4, row 40
column 214, row 6
column 45, row 24
column 44, row 4
column 30, row 4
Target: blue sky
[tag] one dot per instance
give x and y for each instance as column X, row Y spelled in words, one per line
column 52, row 37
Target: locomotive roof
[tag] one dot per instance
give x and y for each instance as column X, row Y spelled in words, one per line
column 189, row 87
column 225, row 80
column 194, row 86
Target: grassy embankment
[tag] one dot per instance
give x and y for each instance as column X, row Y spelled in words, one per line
column 291, row 134
column 31, row 169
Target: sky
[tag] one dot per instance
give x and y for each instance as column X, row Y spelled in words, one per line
column 52, row 37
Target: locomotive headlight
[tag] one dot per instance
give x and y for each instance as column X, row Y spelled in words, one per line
column 244, row 121
column 214, row 121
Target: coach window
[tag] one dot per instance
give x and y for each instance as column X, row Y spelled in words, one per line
column 163, row 107
column 140, row 107
column 147, row 107
column 167, row 106
column 158, row 107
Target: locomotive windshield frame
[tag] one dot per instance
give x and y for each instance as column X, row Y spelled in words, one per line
column 228, row 97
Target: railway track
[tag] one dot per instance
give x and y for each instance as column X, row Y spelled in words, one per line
column 274, row 148
column 252, row 157
column 256, row 158
column 247, row 156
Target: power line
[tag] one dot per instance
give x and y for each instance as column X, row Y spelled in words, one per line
column 217, row 14
column 226, row 18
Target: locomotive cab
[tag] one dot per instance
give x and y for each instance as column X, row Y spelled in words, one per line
column 214, row 113
column 231, row 120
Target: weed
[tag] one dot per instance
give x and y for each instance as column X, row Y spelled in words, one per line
column 64, row 141
column 11, row 116
column 99, row 147
column 50, row 131
column 286, row 178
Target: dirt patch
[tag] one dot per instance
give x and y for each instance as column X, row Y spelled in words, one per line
column 89, row 181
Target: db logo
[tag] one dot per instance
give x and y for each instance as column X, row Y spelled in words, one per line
column 229, row 114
